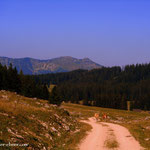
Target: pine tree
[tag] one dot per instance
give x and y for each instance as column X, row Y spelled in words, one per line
column 54, row 97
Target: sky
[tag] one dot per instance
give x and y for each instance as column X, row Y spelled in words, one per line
column 110, row 32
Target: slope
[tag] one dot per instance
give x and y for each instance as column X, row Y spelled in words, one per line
column 34, row 123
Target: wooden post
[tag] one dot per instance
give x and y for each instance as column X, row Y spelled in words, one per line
column 128, row 105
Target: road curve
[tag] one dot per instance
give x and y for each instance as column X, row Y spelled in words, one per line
column 103, row 132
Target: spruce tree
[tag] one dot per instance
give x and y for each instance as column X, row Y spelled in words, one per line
column 54, row 97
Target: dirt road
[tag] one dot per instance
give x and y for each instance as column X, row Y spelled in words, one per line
column 105, row 136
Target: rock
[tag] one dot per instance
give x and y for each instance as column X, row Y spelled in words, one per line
column 5, row 97
column 19, row 136
column 14, row 134
column 64, row 120
column 47, row 106
column 117, row 121
column 120, row 118
column 59, row 134
column 67, row 128
column 53, row 129
column 44, row 148
column 3, row 91
column 10, row 131
column 47, row 135
column 4, row 114
column 38, row 103
column 147, row 139
column 148, row 128
column 56, row 116
column 147, row 118
column 43, row 124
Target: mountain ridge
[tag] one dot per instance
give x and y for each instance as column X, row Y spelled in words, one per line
column 60, row 64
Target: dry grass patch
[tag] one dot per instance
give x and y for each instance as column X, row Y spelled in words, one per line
column 111, row 144
column 111, row 141
column 18, row 109
column 78, row 136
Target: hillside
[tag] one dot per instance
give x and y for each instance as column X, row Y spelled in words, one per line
column 61, row 64
column 35, row 123
column 31, row 123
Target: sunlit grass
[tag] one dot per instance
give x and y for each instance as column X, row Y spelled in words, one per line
column 35, row 121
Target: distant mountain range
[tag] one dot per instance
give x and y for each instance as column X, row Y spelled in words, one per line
column 61, row 64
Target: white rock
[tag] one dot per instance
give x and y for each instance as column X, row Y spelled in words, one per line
column 53, row 129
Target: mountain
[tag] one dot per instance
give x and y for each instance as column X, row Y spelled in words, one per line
column 61, row 64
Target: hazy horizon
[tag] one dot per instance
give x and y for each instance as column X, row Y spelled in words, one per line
column 108, row 32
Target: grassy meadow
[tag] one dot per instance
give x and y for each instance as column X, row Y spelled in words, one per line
column 41, row 125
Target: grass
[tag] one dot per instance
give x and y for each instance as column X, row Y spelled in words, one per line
column 72, row 143
column 111, row 144
column 138, row 123
column 34, row 121
column 27, row 120
column 111, row 141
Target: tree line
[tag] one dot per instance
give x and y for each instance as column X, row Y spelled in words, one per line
column 108, row 87
column 25, row 85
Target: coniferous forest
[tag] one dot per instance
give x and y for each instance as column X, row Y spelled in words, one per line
column 108, row 87
column 24, row 85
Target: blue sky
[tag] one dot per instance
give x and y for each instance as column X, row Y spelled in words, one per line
column 110, row 32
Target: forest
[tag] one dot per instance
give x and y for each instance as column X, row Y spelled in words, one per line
column 109, row 87
column 13, row 81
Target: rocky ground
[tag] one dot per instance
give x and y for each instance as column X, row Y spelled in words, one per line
column 33, row 123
